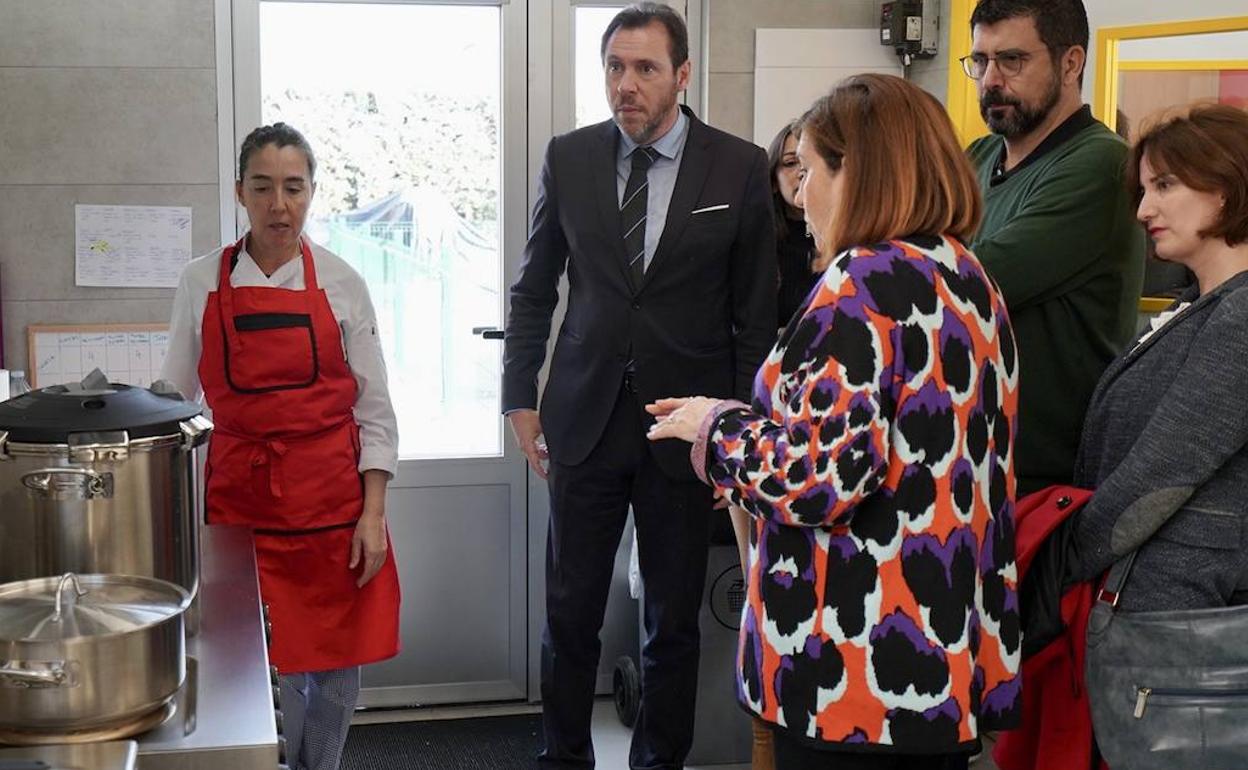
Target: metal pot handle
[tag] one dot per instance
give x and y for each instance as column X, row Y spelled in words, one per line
column 69, row 483
column 109, row 446
column 68, row 578
column 195, row 431
column 52, row 673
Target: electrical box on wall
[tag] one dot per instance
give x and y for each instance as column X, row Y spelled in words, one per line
column 911, row 28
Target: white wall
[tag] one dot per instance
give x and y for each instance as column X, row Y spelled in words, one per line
column 729, row 46
column 1102, row 13
column 794, row 67
column 1214, row 46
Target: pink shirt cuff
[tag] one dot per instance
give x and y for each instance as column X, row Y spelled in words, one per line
column 697, row 454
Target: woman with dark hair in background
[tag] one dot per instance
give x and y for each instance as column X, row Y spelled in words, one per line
column 795, row 252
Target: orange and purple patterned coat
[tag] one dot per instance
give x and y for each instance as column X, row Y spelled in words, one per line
column 877, row 463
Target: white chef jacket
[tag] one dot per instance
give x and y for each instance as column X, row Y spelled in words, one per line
column 351, row 306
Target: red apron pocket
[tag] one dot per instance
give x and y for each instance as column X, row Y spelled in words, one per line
column 275, row 351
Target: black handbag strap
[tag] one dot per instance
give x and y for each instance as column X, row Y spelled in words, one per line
column 1116, row 580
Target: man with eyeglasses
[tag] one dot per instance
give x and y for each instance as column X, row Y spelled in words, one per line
column 1059, row 235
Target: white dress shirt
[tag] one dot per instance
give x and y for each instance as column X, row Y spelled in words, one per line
column 1161, row 319
column 351, row 306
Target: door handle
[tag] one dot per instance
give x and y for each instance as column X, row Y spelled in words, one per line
column 488, row 332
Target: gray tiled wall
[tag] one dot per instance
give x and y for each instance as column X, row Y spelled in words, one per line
column 730, row 48
column 109, row 102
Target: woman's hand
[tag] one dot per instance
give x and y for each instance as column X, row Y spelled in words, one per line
column 369, row 545
column 679, row 417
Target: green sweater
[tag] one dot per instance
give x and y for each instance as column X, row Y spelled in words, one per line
column 1060, row 239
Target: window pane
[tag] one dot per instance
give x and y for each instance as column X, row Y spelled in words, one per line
column 591, row 100
column 401, row 106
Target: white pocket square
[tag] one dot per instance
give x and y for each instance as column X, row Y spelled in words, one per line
column 720, row 207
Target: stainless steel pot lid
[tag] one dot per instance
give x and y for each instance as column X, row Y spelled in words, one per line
column 72, row 606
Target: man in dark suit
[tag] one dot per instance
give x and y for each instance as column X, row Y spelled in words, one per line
column 664, row 227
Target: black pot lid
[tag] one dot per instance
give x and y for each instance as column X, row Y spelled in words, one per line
column 49, row 415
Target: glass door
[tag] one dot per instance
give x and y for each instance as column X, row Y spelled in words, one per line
column 402, row 106
column 415, row 112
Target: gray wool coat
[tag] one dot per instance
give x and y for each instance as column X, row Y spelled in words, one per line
column 1164, row 447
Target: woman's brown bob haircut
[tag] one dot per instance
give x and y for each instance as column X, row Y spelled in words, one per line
column 1206, row 147
column 905, row 172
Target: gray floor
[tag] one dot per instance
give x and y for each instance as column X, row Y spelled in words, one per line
column 611, row 743
column 611, row 738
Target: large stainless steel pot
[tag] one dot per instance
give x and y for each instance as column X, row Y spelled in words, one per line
column 102, row 480
column 83, row 652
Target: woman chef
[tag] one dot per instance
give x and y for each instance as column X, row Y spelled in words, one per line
column 281, row 336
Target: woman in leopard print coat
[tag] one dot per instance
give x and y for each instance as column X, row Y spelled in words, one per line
column 876, row 459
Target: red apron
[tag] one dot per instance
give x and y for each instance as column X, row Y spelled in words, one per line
column 283, row 460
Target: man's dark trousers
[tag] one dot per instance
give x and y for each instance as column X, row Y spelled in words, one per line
column 589, row 506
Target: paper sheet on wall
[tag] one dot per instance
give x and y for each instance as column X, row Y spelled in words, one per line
column 130, row 357
column 132, row 246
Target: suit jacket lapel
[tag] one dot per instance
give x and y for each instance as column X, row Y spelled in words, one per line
column 606, row 191
column 695, row 165
column 1124, row 362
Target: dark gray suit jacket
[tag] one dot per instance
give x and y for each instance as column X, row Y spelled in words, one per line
column 702, row 319
column 1164, row 447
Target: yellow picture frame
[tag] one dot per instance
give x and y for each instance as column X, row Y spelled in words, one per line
column 961, row 98
column 1181, row 65
column 1108, row 64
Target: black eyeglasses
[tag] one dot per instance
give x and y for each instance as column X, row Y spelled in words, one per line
column 1009, row 62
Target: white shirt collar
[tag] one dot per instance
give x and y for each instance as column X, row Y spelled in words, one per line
column 248, row 273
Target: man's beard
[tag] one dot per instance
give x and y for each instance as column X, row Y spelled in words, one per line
column 646, row 134
column 1022, row 120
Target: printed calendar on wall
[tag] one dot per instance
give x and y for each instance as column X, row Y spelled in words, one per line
column 127, row 353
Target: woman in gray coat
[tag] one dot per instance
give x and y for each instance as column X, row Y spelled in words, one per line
column 1164, row 439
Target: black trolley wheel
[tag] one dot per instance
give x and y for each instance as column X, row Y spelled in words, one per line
column 626, row 687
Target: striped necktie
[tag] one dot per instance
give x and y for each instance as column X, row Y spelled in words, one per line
column 633, row 212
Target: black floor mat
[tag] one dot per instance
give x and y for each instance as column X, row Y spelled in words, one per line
column 488, row 743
